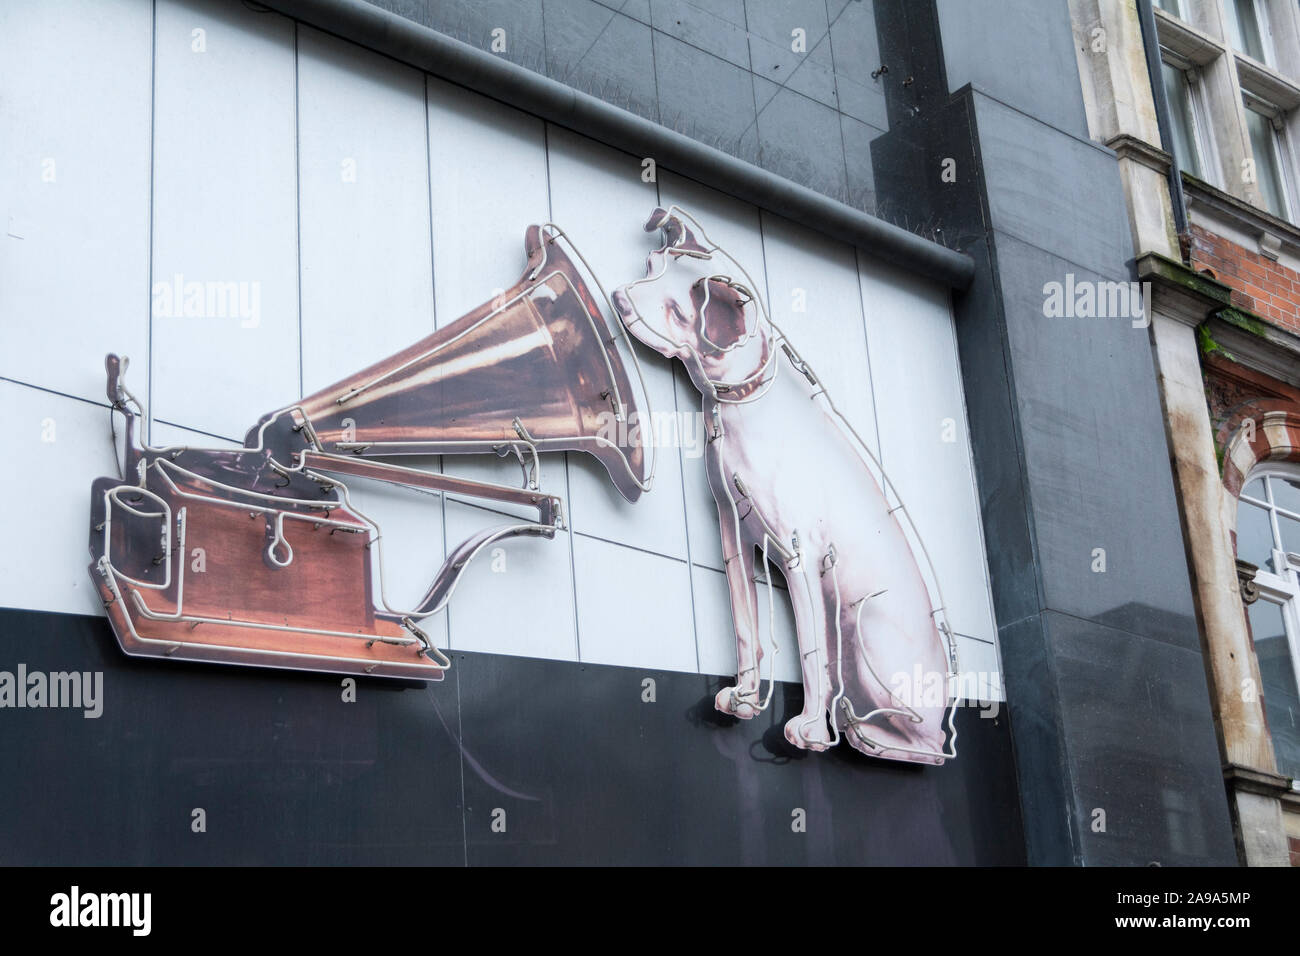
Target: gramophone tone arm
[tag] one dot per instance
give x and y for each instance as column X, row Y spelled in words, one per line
column 548, row 506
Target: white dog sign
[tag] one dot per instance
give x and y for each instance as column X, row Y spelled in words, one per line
column 793, row 480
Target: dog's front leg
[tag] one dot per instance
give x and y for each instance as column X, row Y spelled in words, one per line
column 743, row 700
column 809, row 730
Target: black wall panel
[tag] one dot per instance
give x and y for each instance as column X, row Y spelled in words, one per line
column 583, row 769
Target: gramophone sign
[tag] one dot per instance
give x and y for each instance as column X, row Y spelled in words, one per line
column 285, row 575
column 292, row 572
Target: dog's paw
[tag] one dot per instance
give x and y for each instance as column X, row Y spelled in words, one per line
column 734, row 701
column 882, row 740
column 809, row 732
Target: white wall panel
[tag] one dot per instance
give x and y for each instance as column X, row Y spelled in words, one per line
column 816, row 299
column 367, row 267
column 74, row 190
column 981, row 670
column 225, row 211
column 487, row 167
column 524, row 606
column 634, row 608
column 918, row 392
column 598, row 198
column 367, row 270
column 716, row 635
column 55, row 447
column 167, row 435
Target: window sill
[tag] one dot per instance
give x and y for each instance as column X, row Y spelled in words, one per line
column 1249, row 218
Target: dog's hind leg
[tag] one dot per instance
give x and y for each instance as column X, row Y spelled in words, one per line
column 743, row 700
column 895, row 690
column 810, row 730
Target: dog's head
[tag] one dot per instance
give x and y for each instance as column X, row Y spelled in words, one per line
column 694, row 302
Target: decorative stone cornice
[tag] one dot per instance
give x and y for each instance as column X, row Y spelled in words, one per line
column 1194, row 298
column 1270, row 246
column 1128, row 146
column 1179, row 292
column 1249, row 219
column 1187, row 41
column 1257, row 344
column 1252, row 780
column 1267, row 83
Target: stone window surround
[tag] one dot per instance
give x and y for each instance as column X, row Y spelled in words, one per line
column 1202, row 131
column 1276, row 442
column 1273, row 439
column 1229, row 76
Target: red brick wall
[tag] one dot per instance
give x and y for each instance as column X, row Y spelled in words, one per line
column 1259, row 284
column 1294, row 845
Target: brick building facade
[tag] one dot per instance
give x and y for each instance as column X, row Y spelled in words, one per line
column 1199, row 98
column 1259, row 284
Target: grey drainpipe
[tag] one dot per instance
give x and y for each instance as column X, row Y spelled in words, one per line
column 1151, row 45
column 402, row 39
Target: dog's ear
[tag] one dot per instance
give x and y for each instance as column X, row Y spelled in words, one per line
column 657, row 219
column 722, row 308
column 682, row 239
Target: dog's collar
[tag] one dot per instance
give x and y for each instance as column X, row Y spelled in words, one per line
column 740, row 391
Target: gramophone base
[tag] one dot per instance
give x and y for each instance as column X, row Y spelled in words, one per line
column 300, row 646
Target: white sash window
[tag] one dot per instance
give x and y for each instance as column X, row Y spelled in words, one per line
column 1268, row 534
